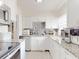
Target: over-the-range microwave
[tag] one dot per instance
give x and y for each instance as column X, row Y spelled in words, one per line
column 74, row 32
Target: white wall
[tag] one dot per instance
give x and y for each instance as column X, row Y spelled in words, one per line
column 51, row 22
column 62, row 22
column 27, row 21
column 73, row 13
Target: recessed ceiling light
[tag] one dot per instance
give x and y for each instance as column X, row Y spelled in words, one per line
column 39, row 1
column 1, row 3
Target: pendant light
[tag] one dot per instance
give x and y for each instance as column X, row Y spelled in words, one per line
column 39, row 1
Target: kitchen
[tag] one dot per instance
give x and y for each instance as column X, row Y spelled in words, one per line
column 31, row 29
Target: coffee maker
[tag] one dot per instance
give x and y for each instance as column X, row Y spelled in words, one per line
column 65, row 34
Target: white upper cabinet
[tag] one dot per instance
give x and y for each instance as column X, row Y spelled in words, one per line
column 5, row 14
column 12, row 4
column 73, row 13
column 52, row 23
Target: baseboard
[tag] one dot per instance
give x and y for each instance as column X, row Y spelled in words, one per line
column 27, row 50
column 37, row 50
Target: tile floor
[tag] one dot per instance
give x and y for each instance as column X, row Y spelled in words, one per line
column 38, row 55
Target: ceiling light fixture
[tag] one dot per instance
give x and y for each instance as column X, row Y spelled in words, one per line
column 39, row 1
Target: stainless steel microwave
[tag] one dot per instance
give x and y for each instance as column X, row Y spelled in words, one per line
column 74, row 32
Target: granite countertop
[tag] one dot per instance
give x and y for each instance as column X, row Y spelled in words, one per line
column 72, row 48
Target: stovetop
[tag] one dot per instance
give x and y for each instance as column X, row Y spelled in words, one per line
column 6, row 47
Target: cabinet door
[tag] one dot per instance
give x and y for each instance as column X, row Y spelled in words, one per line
column 40, row 43
column 22, row 50
column 37, row 43
column 56, row 51
column 46, row 43
column 34, row 44
column 68, row 56
column 51, row 47
column 27, row 43
column 62, row 53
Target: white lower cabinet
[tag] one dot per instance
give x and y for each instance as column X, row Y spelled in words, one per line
column 39, row 43
column 62, row 53
column 55, row 50
column 59, row 52
column 22, row 50
column 27, row 43
column 68, row 56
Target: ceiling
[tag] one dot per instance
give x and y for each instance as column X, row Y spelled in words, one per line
column 47, row 7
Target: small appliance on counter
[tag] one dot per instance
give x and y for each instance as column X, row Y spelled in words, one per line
column 70, row 35
column 53, row 31
column 65, row 34
column 26, row 31
column 49, row 32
